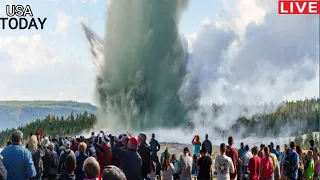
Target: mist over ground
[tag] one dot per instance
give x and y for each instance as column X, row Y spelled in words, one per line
column 151, row 78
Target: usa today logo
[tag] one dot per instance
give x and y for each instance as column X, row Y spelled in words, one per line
column 17, row 18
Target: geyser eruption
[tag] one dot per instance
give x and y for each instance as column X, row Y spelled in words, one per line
column 143, row 80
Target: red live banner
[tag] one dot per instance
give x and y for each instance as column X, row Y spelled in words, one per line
column 298, row 6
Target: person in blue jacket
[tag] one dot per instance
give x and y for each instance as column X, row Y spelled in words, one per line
column 17, row 159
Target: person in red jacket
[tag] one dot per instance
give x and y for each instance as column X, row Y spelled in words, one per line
column 74, row 145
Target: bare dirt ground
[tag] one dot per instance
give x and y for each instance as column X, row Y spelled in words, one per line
column 177, row 149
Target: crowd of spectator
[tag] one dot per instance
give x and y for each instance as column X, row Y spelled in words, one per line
column 125, row 157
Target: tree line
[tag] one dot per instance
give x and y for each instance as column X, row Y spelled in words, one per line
column 303, row 142
column 290, row 118
column 54, row 126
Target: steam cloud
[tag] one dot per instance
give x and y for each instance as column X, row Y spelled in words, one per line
column 148, row 80
column 144, row 66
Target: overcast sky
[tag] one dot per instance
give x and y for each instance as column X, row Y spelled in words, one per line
column 241, row 50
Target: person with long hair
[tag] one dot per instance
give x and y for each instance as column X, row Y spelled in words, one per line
column 167, row 169
column 175, row 163
column 316, row 163
column 267, row 166
column 196, row 150
column 37, row 155
column 185, row 165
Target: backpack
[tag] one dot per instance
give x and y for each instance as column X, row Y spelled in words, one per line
column 63, row 160
column 288, row 166
column 37, row 161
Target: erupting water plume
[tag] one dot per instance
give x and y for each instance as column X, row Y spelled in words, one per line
column 141, row 82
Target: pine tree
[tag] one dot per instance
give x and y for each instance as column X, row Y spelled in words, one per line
column 307, row 140
column 298, row 141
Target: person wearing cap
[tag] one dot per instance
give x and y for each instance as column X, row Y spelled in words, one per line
column 18, row 160
column 112, row 172
column 130, row 159
column 104, row 152
column 185, row 166
column 64, row 155
column 145, row 153
column 91, row 150
column 47, row 158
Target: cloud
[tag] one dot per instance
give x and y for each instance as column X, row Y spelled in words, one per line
column 257, row 56
column 63, row 23
column 31, row 69
column 27, row 53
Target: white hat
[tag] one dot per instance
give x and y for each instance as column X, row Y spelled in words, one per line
column 67, row 144
column 45, row 142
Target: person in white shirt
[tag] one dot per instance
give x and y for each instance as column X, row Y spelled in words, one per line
column 223, row 164
column 245, row 161
column 185, row 165
column 167, row 169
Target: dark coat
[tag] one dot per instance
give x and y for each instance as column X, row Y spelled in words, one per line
column 131, row 161
column 48, row 162
column 80, row 160
column 66, row 176
column 144, row 152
